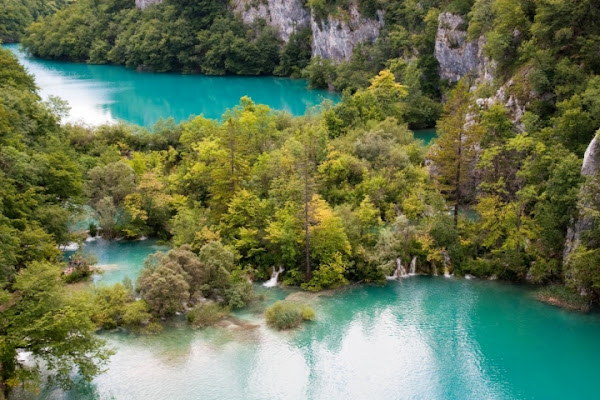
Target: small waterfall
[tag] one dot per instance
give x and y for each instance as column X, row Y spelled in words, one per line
column 413, row 266
column 273, row 281
column 435, row 273
column 400, row 271
column 447, row 273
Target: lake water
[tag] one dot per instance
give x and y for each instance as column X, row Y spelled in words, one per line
column 419, row 338
column 119, row 259
column 105, row 93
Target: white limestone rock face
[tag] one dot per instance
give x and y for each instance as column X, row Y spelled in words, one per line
column 457, row 56
column 335, row 38
column 141, row 4
column 516, row 107
column 287, row 16
column 590, row 167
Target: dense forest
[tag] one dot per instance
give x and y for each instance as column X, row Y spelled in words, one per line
column 333, row 197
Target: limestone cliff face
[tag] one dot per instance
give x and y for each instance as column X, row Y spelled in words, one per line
column 590, row 167
column 335, row 38
column 515, row 106
column 457, row 56
column 141, row 4
column 287, row 16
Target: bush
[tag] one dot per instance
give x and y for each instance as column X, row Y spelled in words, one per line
column 564, row 297
column 328, row 276
column 93, row 229
column 287, row 315
column 207, row 314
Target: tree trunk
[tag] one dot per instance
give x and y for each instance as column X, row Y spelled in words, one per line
column 306, row 238
column 458, row 172
column 232, row 156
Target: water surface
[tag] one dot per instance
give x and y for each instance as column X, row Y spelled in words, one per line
column 119, row 259
column 419, row 338
column 426, row 135
column 105, row 93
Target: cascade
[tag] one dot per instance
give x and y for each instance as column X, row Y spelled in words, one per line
column 435, row 273
column 273, row 281
column 413, row 266
column 400, row 271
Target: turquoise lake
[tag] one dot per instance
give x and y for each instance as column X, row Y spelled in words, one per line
column 418, row 338
column 106, row 93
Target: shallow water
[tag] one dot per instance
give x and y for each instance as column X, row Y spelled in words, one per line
column 105, row 93
column 419, row 338
column 119, row 259
column 426, row 135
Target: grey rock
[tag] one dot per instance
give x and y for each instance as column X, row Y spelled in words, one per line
column 590, row 167
column 287, row 16
column 457, row 56
column 335, row 38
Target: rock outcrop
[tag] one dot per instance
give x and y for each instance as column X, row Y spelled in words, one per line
column 332, row 37
column 590, row 167
column 335, row 38
column 287, row 16
column 457, row 56
column 141, row 4
column 515, row 106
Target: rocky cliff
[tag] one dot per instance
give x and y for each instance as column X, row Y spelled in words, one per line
column 590, row 167
column 332, row 37
column 287, row 16
column 457, row 56
column 336, row 37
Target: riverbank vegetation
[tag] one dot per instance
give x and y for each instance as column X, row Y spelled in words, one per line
column 208, row 37
column 342, row 194
column 17, row 15
column 41, row 185
column 286, row 315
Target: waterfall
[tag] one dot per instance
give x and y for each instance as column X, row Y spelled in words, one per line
column 447, row 273
column 435, row 273
column 413, row 266
column 400, row 271
column 273, row 281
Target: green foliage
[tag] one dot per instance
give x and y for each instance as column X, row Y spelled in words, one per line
column 206, row 314
column 328, row 276
column 169, row 281
column 43, row 318
column 287, row 315
column 17, row 15
column 564, row 297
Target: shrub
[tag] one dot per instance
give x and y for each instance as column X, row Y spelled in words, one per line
column 136, row 314
column 563, row 297
column 287, row 315
column 328, row 276
column 207, row 314
column 93, row 229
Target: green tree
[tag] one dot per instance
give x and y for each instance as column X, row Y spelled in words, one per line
column 41, row 317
